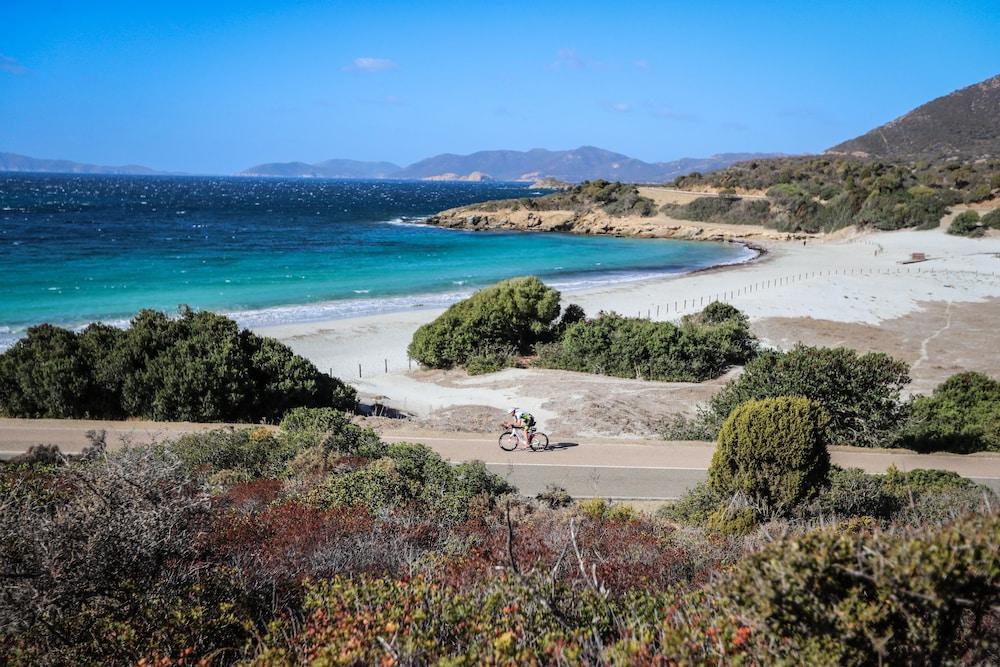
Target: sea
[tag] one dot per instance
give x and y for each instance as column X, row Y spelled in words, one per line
column 75, row 249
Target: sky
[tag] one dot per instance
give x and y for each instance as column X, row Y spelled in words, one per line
column 215, row 87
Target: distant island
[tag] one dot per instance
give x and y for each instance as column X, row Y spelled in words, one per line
column 12, row 162
column 569, row 166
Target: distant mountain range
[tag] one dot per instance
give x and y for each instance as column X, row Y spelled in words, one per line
column 327, row 169
column 23, row 163
column 573, row 166
column 965, row 123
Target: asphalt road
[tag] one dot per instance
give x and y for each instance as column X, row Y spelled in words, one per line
column 605, row 467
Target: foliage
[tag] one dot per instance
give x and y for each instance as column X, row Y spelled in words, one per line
column 962, row 415
column 915, row 497
column 411, row 474
column 922, row 596
column 198, row 367
column 825, row 193
column 248, row 452
column 991, row 219
column 514, row 314
column 702, row 347
column 967, row 223
column 861, row 392
column 773, row 451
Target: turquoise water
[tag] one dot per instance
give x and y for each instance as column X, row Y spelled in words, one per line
column 76, row 249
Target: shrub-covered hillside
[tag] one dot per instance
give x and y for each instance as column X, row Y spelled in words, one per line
column 320, row 544
column 197, row 367
column 824, row 193
column 611, row 197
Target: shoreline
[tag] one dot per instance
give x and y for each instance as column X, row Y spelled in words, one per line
column 320, row 312
column 853, row 280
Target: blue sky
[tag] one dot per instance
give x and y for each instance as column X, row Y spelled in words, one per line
column 213, row 87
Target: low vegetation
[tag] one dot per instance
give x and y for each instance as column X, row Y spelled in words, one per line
column 196, row 367
column 962, row 415
column 521, row 317
column 824, row 193
column 617, row 199
column 967, row 223
column 860, row 392
column 703, row 346
column 318, row 543
column 491, row 326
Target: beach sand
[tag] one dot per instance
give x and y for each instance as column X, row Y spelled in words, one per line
column 941, row 315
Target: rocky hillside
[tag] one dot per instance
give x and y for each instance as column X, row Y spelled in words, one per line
column 965, row 123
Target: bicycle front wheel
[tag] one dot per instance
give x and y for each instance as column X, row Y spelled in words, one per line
column 508, row 441
column 539, row 441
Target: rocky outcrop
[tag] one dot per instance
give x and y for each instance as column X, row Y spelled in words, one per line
column 597, row 222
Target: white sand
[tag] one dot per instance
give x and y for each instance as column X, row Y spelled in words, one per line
column 857, row 278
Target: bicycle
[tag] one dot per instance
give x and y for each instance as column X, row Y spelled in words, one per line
column 511, row 438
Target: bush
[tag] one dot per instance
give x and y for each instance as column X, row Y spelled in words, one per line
column 773, row 451
column 702, row 347
column 514, row 314
column 249, row 452
column 838, row 597
column 331, row 431
column 198, row 367
column 861, row 392
column 962, row 415
column 991, row 219
column 966, row 224
column 411, row 474
column 694, row 507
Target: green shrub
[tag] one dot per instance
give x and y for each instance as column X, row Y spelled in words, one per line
column 198, row 367
column 861, row 392
column 836, row 597
column 489, row 362
column 514, row 314
column 733, row 521
column 773, row 451
column 991, row 219
column 962, row 415
column 251, row 452
column 966, row 224
column 554, row 497
column 412, row 474
column 912, row 498
column 702, row 347
column 330, row 430
column 694, row 507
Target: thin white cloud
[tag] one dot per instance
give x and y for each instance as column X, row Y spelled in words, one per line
column 369, row 65
column 641, row 63
column 620, row 107
column 11, row 66
column 568, row 59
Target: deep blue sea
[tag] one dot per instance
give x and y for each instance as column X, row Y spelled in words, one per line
column 76, row 249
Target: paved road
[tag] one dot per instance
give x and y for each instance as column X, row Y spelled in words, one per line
column 595, row 467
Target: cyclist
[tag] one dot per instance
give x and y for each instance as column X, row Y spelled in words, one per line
column 522, row 420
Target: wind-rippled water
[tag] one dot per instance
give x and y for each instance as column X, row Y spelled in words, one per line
column 76, row 249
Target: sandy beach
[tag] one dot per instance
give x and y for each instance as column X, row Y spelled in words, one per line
column 845, row 289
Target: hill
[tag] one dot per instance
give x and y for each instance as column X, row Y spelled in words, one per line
column 24, row 163
column 573, row 166
column 326, row 169
column 965, row 123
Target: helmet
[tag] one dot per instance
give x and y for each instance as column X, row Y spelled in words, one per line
column 512, row 411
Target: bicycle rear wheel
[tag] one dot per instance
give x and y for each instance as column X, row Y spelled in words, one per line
column 508, row 441
column 539, row 441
